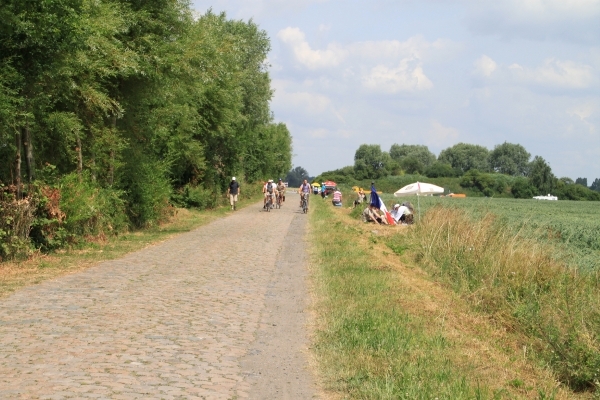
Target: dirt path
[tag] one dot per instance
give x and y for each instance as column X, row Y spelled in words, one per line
column 216, row 313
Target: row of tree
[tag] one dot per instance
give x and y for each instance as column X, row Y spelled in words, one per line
column 141, row 97
column 471, row 162
column 118, row 87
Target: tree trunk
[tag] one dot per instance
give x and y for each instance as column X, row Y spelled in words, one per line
column 79, row 157
column 18, row 164
column 111, row 167
column 30, row 162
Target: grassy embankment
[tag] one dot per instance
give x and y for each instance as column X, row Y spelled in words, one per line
column 40, row 267
column 388, row 329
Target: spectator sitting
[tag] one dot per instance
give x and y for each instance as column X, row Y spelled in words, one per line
column 401, row 213
column 370, row 214
column 360, row 199
column 337, row 198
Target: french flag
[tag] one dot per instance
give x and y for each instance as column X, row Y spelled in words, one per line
column 377, row 202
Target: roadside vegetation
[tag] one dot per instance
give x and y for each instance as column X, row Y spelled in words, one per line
column 114, row 112
column 464, row 304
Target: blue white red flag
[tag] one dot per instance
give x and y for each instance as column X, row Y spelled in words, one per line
column 377, row 202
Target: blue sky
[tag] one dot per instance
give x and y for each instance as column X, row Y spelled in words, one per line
column 433, row 72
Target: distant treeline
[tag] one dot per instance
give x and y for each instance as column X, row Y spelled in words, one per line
column 113, row 110
column 506, row 171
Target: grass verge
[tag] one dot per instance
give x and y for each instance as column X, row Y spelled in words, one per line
column 518, row 282
column 385, row 330
column 40, row 267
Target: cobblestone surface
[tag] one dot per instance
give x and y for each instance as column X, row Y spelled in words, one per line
column 171, row 321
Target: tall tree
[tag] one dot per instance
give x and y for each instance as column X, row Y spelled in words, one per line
column 541, row 176
column 510, row 159
column 419, row 152
column 296, row 176
column 370, row 162
column 464, row 157
column 581, row 181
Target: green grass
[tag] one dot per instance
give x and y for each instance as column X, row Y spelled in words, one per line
column 368, row 345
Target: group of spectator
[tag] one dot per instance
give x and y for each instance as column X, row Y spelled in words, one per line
column 402, row 214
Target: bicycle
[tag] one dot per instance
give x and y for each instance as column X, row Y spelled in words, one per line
column 269, row 203
column 278, row 200
column 304, row 203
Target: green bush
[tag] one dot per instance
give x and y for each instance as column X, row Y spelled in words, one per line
column 199, row 197
column 89, row 209
column 148, row 191
column 522, row 188
column 440, row 170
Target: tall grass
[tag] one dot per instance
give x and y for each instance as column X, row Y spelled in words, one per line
column 520, row 283
column 368, row 345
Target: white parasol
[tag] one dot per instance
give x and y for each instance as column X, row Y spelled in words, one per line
column 419, row 189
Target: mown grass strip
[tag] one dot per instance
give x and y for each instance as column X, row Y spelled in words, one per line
column 15, row 275
column 367, row 345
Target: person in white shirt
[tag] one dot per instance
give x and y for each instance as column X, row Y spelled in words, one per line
column 399, row 212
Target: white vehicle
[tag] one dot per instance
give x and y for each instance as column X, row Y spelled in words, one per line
column 547, row 197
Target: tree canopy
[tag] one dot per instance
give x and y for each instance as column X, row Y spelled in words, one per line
column 464, row 157
column 112, row 88
column 370, row 162
column 509, row 159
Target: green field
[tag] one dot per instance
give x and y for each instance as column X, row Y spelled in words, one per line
column 573, row 226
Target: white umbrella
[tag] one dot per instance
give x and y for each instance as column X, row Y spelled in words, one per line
column 419, row 189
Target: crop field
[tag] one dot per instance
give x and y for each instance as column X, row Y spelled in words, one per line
column 573, row 226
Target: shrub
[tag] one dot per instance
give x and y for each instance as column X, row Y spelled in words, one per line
column 89, row 209
column 148, row 191
column 199, row 197
column 16, row 218
column 522, row 189
column 440, row 170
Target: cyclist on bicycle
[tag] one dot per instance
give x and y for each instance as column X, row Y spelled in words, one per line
column 268, row 190
column 280, row 194
column 304, row 190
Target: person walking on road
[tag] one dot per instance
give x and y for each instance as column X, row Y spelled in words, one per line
column 233, row 191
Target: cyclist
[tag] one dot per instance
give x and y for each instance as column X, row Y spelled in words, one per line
column 268, row 190
column 280, row 190
column 304, row 190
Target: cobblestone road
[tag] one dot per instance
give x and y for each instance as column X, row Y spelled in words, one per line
column 172, row 321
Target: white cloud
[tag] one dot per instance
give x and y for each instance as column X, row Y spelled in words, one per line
column 404, row 77
column 552, row 73
column 312, row 59
column 571, row 20
column 484, row 66
column 439, row 134
column 386, row 66
column 586, row 113
column 556, row 73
